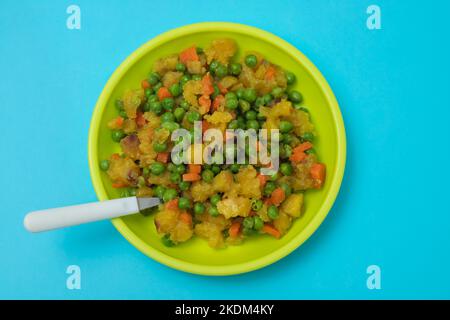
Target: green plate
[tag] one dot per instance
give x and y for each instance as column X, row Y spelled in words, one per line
column 195, row 256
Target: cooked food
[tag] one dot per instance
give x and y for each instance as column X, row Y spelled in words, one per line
column 222, row 203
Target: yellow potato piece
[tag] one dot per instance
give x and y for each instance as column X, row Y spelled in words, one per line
column 293, row 205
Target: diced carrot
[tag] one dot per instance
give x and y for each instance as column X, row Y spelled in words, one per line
column 163, row 93
column 277, row 196
column 207, row 85
column 145, row 84
column 303, row 146
column 186, row 217
column 262, row 180
column 222, row 89
column 172, row 204
column 205, row 102
column 191, row 177
column 205, row 126
column 194, row 168
column 267, row 228
column 190, row 54
column 140, row 120
column 270, row 73
column 318, row 171
column 163, row 157
column 119, row 121
column 118, row 185
column 115, row 156
column 297, row 156
column 218, row 101
column 234, row 229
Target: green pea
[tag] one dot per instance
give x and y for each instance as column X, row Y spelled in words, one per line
column 234, row 124
column 180, row 169
column 153, row 97
column 260, row 117
column 252, row 124
column 290, row 77
column 235, row 69
column 213, row 66
column 157, row 86
column 234, row 168
column 216, row 91
column 145, row 171
column 244, row 105
column 199, row 208
column 287, row 149
column 248, row 222
column 240, row 93
column 247, row 231
column 251, row 61
column 257, row 205
column 277, row 92
column 272, row 212
column 184, row 203
column 155, row 107
column 215, row 169
column 286, row 169
column 308, row 136
column 267, row 98
column 132, row 192
column 274, row 176
column 213, row 211
column 185, row 78
column 230, row 95
column 295, row 96
column 175, row 177
column 269, row 187
column 141, row 181
column 153, row 78
column 157, row 168
column 287, row 138
column 207, row 175
column 170, row 125
column 159, row 191
column 250, row 95
column 193, row 116
column 286, row 126
column 221, row 71
column 159, row 147
column 286, row 188
column 196, row 77
column 171, row 167
column 118, row 104
column 148, row 92
column 185, row 105
column 104, row 165
column 169, row 194
column 215, row 199
column 231, row 103
column 146, row 106
column 180, row 67
column 310, row 151
column 199, row 50
column 259, row 102
column 250, row 115
column 257, row 223
column 168, row 104
column 167, row 116
column 166, row 241
column 179, row 113
column 175, row 89
column 184, row 185
column 117, row 135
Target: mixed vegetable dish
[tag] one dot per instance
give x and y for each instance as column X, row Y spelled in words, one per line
column 222, row 203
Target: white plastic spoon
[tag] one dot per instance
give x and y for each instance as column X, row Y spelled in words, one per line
column 44, row 220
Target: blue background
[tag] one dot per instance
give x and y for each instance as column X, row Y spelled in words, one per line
column 393, row 208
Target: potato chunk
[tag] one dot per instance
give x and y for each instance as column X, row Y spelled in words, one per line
column 293, row 205
column 221, row 50
column 234, row 207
